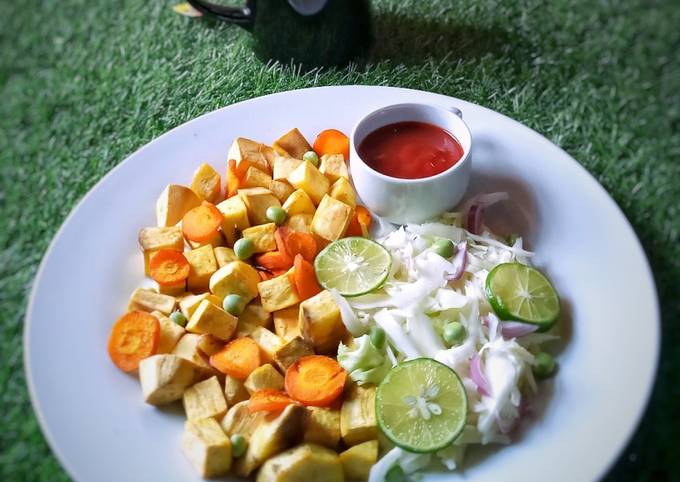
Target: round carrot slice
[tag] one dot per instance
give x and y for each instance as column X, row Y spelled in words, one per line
column 301, row 243
column 133, row 337
column 332, row 141
column 268, row 400
column 201, row 223
column 239, row 358
column 169, row 267
column 315, row 380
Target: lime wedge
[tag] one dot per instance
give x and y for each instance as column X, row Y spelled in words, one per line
column 353, row 266
column 421, row 405
column 522, row 293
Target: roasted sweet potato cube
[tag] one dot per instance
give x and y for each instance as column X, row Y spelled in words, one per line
column 211, row 320
column 147, row 300
column 277, row 293
column 164, row 378
column 234, row 217
column 286, row 322
column 265, row 376
column 254, row 177
column 300, row 222
column 291, row 351
column 299, row 203
column 262, row 237
column 188, row 348
column 210, row 344
column 173, row 204
column 268, row 342
column 207, row 447
column 189, row 303
column 331, row 219
column 205, row 399
column 307, row 462
column 281, row 189
column 322, row 426
column 333, row 166
column 358, row 460
column 320, row 322
column 292, row 143
column 257, row 201
column 234, row 392
column 255, row 153
column 256, row 315
column 170, row 334
column 357, row 416
column 343, row 191
column 155, row 238
column 309, row 179
column 224, row 255
column 202, row 264
column 283, row 166
column 237, row 278
column 207, row 183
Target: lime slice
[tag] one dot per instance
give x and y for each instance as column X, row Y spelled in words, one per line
column 353, row 266
column 421, row 405
column 522, row 293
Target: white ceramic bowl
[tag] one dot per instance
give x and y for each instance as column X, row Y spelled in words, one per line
column 411, row 200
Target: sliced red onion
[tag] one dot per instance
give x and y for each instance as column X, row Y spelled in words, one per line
column 514, row 329
column 459, row 262
column 477, row 376
column 505, row 426
column 475, row 206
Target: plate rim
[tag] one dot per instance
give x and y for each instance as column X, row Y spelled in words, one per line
column 27, row 366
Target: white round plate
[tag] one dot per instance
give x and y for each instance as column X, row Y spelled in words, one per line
column 93, row 415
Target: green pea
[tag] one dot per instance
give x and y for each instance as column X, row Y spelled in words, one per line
column 233, row 304
column 377, row 336
column 179, row 318
column 443, row 247
column 276, row 215
column 544, row 365
column 239, row 444
column 244, row 248
column 454, row 333
column 310, row 156
column 395, row 474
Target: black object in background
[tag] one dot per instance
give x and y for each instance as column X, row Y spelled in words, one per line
column 338, row 33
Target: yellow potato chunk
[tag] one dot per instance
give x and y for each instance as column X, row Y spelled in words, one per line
column 224, row 255
column 207, row 183
column 239, row 419
column 188, row 304
column 257, row 201
column 262, row 237
column 205, row 399
column 207, row 447
column 281, row 189
column 343, row 191
column 292, row 143
column 331, row 219
column 234, row 217
column 333, row 166
column 286, row 322
column 357, row 416
column 147, row 300
column 265, row 376
column 234, row 392
column 300, row 222
column 322, row 426
column 268, row 342
column 209, row 344
column 236, row 278
column 309, row 179
column 172, row 290
column 283, row 166
column 255, row 153
column 173, row 204
column 255, row 314
column 307, row 462
column 188, row 348
column 291, row 351
column 256, row 178
column 299, row 203
column 320, row 323
column 152, row 239
column 170, row 334
column 202, row 265
column 277, row 293
column 211, row 320
column 165, row 377
column 357, row 460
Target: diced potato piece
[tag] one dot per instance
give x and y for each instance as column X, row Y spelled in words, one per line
column 291, row 351
column 234, row 391
column 153, row 239
column 300, row 222
column 215, row 241
column 173, row 204
column 270, row 438
column 283, row 166
column 147, row 300
column 308, row 178
column 268, row 342
column 236, row 278
column 357, row 416
column 277, row 293
column 202, row 265
column 211, row 320
column 209, row 344
column 331, row 219
column 241, row 420
column 262, row 237
column 357, row 460
column 255, row 314
column 281, row 189
column 307, row 462
column 320, row 322
column 265, row 376
column 343, row 191
column 257, row 201
column 188, row 304
column 207, row 447
column 322, row 426
column 204, row 400
column 292, row 143
column 286, row 322
column 188, row 348
column 224, row 255
column 254, row 177
column 234, row 217
column 299, row 203
column 244, row 329
column 165, row 377
column 172, row 290
column 171, row 332
column 207, row 183
column 257, row 154
column 333, row 166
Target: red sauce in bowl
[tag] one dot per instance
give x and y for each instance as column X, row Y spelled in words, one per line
column 410, row 150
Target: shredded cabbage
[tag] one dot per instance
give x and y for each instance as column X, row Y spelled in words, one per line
column 364, row 362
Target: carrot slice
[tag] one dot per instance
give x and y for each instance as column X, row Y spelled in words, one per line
column 133, row 337
column 274, row 260
column 239, row 358
column 202, row 222
column 269, row 400
column 332, row 141
column 360, row 223
column 363, row 216
column 315, row 380
column 304, row 278
column 169, row 267
column 280, row 236
column 301, row 243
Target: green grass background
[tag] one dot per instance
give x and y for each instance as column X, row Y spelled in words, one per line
column 85, row 83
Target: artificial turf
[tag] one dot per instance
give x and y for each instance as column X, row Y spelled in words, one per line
column 85, row 83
